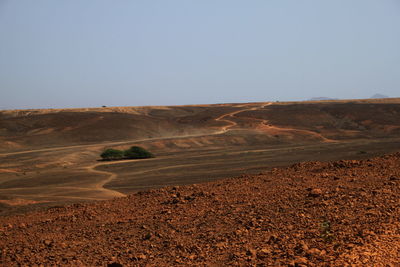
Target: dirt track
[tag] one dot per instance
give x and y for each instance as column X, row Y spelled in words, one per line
column 100, row 185
column 192, row 143
column 232, row 123
column 222, row 130
column 311, row 214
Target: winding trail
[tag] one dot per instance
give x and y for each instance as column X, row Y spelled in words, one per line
column 307, row 132
column 109, row 176
column 232, row 123
column 264, row 124
column 224, row 129
column 112, row 176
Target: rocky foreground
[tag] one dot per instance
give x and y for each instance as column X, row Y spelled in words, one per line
column 310, row 214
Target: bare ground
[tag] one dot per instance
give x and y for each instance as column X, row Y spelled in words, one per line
column 50, row 156
column 310, row 214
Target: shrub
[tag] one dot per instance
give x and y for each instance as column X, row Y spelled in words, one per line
column 137, row 152
column 134, row 152
column 112, row 154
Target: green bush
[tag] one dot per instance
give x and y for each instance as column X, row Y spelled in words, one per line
column 112, row 154
column 137, row 152
column 134, row 152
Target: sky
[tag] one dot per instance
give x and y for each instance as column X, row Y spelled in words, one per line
column 72, row 53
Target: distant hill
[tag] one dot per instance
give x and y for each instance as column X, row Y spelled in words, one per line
column 379, row 96
column 322, row 98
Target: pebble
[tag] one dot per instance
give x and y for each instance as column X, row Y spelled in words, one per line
column 316, row 192
column 47, row 242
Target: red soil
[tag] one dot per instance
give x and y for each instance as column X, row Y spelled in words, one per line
column 310, row 214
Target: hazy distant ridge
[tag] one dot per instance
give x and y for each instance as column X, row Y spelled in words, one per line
column 379, row 96
column 322, row 98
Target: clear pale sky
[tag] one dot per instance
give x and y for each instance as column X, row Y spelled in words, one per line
column 74, row 53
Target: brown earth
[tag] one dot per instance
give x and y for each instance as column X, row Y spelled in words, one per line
column 22, row 130
column 312, row 213
column 342, row 213
column 49, row 157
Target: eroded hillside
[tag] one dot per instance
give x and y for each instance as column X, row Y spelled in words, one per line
column 264, row 122
column 51, row 157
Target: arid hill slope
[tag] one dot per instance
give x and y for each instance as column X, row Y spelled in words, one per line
column 50, row 157
column 310, row 214
column 270, row 122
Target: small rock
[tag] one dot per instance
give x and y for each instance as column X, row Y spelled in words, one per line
column 251, row 252
column 316, row 192
column 301, row 260
column 265, row 250
column 141, row 257
column 273, row 239
column 314, row 252
column 304, row 246
column 148, row 236
column 220, row 245
column 47, row 242
column 263, row 253
column 301, row 247
column 159, row 235
column 324, row 175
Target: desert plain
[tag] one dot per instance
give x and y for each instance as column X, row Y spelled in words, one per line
column 253, row 184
